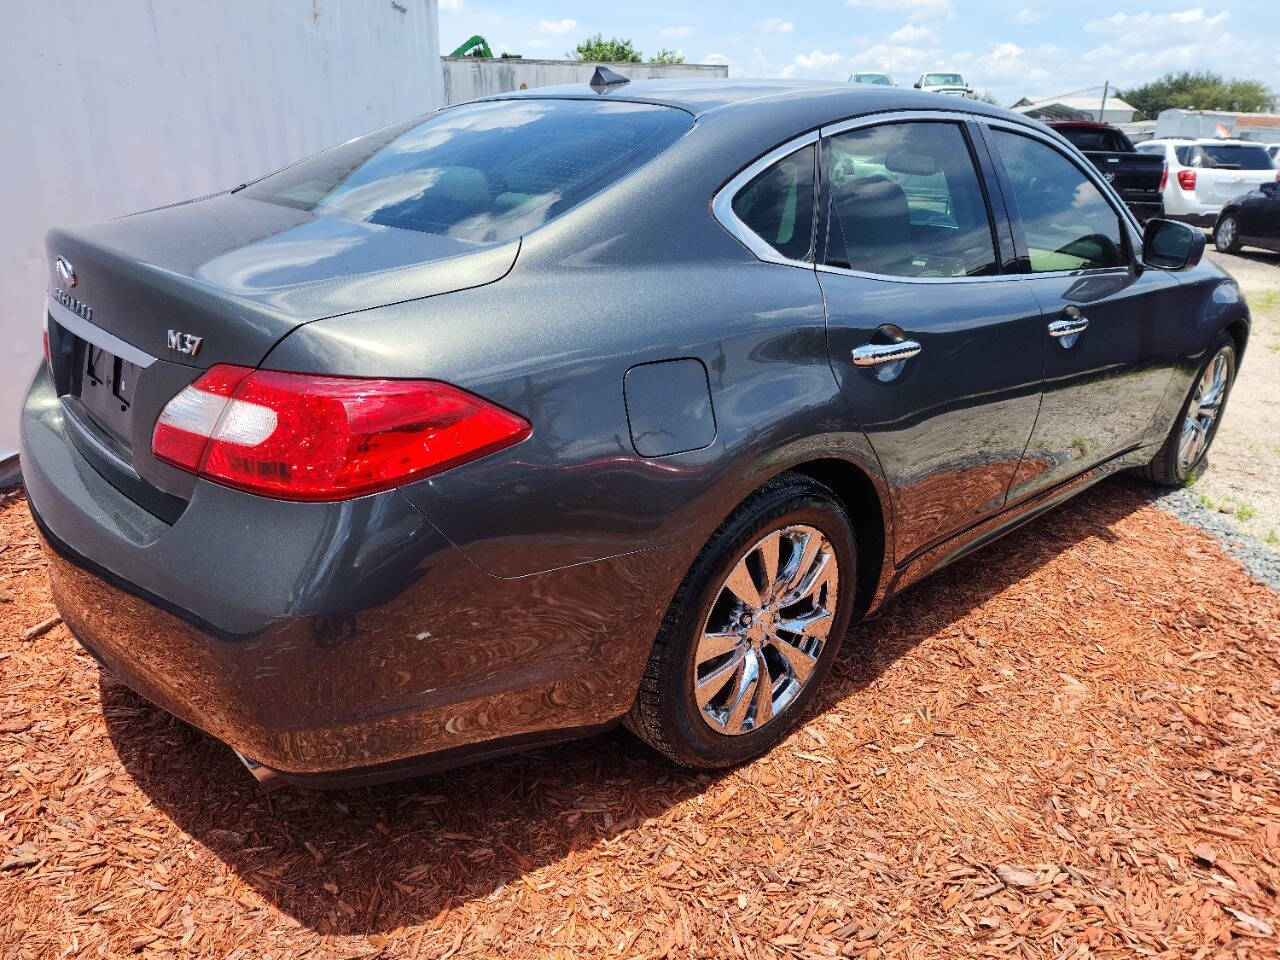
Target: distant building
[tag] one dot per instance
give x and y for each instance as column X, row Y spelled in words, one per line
column 1220, row 124
column 1076, row 108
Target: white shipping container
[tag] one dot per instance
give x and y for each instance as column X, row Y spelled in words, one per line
column 111, row 108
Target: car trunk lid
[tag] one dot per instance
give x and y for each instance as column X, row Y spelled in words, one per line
column 136, row 301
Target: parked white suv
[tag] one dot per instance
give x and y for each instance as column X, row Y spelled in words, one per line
column 1201, row 176
column 951, row 83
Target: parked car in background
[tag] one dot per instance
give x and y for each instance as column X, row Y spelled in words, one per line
column 1204, row 175
column 509, row 423
column 877, row 79
column 1137, row 177
column 949, row 83
column 1250, row 220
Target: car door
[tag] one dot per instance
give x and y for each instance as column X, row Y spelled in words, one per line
column 1258, row 215
column 1103, row 372
column 937, row 351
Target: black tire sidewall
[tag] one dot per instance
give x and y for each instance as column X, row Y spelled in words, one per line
column 681, row 718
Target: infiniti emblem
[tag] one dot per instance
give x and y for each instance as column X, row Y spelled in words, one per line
column 66, row 272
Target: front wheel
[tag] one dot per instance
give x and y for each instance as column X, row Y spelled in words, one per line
column 1226, row 235
column 1186, row 449
column 752, row 630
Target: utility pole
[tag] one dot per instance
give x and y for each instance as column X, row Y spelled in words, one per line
column 1102, row 114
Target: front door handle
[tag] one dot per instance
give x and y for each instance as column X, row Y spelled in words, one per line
column 1072, row 323
column 874, row 354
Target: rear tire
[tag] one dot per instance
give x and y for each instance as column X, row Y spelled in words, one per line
column 1186, row 450
column 1226, row 234
column 704, row 701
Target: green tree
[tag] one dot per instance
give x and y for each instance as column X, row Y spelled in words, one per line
column 613, row 50
column 1199, row 90
column 668, row 56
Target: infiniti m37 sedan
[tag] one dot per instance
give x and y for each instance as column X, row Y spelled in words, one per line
column 581, row 406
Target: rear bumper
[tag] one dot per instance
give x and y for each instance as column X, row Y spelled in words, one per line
column 1146, row 210
column 333, row 643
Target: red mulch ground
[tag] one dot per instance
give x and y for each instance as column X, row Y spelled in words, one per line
column 1066, row 747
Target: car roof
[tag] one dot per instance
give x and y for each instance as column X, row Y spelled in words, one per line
column 810, row 103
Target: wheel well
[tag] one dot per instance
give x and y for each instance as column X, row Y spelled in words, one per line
column 857, row 494
column 1239, row 332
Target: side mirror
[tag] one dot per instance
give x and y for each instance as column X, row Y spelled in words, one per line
column 916, row 85
column 1269, row 188
column 1170, row 245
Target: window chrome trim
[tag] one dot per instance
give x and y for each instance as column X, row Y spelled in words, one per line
column 85, row 330
column 722, row 202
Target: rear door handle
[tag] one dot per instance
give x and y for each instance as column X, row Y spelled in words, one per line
column 874, row 354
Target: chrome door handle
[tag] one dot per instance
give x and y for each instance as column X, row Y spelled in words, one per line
column 874, row 354
column 1068, row 326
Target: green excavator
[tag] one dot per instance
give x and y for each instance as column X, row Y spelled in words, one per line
column 475, row 46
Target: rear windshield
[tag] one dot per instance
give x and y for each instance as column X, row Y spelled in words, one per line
column 1231, row 156
column 484, row 171
column 1092, row 138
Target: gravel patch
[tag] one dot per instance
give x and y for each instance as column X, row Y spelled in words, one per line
column 1261, row 560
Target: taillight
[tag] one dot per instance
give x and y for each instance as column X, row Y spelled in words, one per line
column 1187, row 179
column 44, row 327
column 306, row 437
column 1164, row 177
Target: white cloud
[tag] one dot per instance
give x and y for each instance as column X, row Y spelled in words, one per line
column 451, row 6
column 914, row 9
column 904, row 63
column 775, row 25
column 912, row 34
column 557, row 28
column 675, row 33
column 1145, row 28
column 718, row 58
column 813, row 66
column 1026, row 16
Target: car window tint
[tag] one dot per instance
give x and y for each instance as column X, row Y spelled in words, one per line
column 1233, row 156
column 1184, row 155
column 1069, row 224
column 777, row 205
column 482, row 171
column 906, row 201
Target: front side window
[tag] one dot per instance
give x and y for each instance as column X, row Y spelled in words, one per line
column 906, row 202
column 1069, row 224
column 485, row 171
column 777, row 205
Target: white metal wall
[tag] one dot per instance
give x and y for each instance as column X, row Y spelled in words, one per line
column 109, row 108
column 466, row 78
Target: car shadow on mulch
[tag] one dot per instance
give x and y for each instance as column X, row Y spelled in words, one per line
column 379, row 858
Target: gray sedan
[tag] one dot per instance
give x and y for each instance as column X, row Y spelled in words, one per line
column 591, row 405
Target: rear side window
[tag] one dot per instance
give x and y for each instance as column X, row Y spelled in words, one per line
column 1086, row 139
column 777, row 205
column 906, row 202
column 484, row 171
column 1069, row 224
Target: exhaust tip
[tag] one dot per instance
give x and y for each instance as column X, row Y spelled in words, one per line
column 267, row 778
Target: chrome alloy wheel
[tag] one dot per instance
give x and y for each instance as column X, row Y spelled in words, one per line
column 766, row 629
column 1202, row 413
column 1226, row 233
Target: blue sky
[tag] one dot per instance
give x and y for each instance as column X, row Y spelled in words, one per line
column 1012, row 49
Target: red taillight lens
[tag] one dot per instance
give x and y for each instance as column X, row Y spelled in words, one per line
column 1164, row 177
column 48, row 357
column 304, row 437
column 1187, row 179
